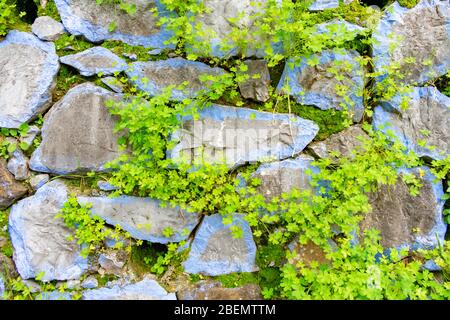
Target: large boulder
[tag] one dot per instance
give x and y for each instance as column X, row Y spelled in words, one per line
column 405, row 220
column 144, row 218
column 28, row 72
column 144, row 290
column 94, row 21
column 214, row 290
column 422, row 33
column 424, row 127
column 94, row 61
column 318, row 84
column 78, row 133
column 154, row 76
column 217, row 25
column 215, row 251
column 10, row 189
column 48, row 29
column 40, row 241
column 343, row 143
column 235, row 136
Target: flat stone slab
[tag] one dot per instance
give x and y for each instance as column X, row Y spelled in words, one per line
column 47, row 29
column 154, row 76
column 93, row 21
column 215, row 251
column 78, row 133
column 425, row 36
column 424, row 124
column 317, row 85
column 10, row 189
column 218, row 27
column 28, row 72
column 40, row 241
column 96, row 60
column 214, row 290
column 319, row 5
column 235, row 136
column 144, row 290
column 144, row 218
column 405, row 220
column 343, row 143
column 283, row 176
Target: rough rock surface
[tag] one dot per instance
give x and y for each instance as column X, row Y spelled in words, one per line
column 18, row 165
column 106, row 186
column 235, row 136
column 143, row 218
column 425, row 36
column 216, row 22
column 213, row 290
column 144, row 290
column 87, row 18
column 114, row 84
column 28, row 72
column 426, row 119
column 338, row 27
column 307, row 253
column 39, row 180
column 215, row 251
column 48, row 29
column 316, row 85
column 256, row 88
column 405, row 220
column 283, row 176
column 343, row 142
column 2, row 287
column 326, row 4
column 94, row 61
column 78, row 133
column 154, row 76
column 10, row 189
column 113, row 262
column 90, row 283
column 40, row 241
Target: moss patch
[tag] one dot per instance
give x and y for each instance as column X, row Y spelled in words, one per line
column 49, row 10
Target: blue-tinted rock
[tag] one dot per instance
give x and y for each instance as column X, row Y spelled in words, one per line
column 90, row 283
column 40, row 241
column 318, row 5
column 424, row 33
column 114, row 84
column 78, row 133
column 2, row 287
column 18, row 165
column 28, row 72
column 106, row 186
column 405, row 220
column 154, row 76
column 48, row 29
column 426, row 120
column 318, row 85
column 39, row 180
column 235, row 136
column 215, row 251
column 54, row 295
column 112, row 262
column 93, row 21
column 144, row 218
column 143, row 290
column 338, row 27
column 94, row 61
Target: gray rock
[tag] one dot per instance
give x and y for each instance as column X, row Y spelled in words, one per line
column 144, row 290
column 78, row 133
column 7, row 267
column 48, row 29
column 40, row 241
column 96, row 60
column 216, row 22
column 33, row 286
column 2, row 287
column 106, row 186
column 337, row 27
column 143, row 218
column 235, row 136
column 112, row 262
column 426, row 120
column 39, row 180
column 155, row 52
column 319, row 5
column 405, row 220
column 29, row 137
column 131, row 56
column 343, row 143
column 28, row 73
column 214, row 290
column 425, row 36
column 283, row 176
column 18, row 165
column 114, row 84
column 154, row 76
column 93, row 21
column 55, row 295
column 215, row 251
column 317, row 85
column 10, row 189
column 256, row 88
column 90, row 283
